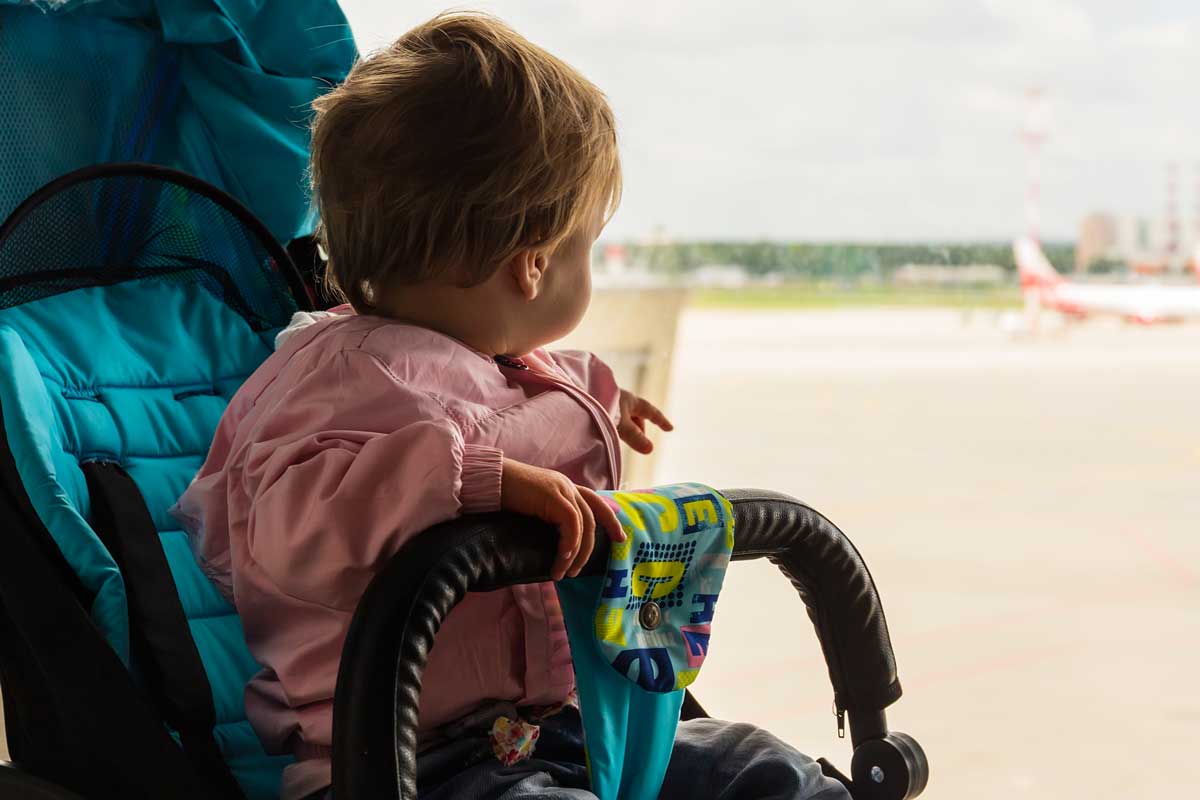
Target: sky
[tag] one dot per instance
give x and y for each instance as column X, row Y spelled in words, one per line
column 876, row 120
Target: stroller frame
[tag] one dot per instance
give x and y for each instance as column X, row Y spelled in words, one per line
column 80, row 726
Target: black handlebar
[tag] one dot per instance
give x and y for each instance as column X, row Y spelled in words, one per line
column 375, row 741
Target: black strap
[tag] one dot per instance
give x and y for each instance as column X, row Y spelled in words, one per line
column 306, row 255
column 691, row 708
column 73, row 715
column 159, row 635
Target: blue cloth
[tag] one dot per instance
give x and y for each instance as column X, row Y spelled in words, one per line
column 80, row 382
column 217, row 89
column 631, row 668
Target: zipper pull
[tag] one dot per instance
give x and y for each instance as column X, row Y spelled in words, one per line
column 511, row 363
column 841, row 721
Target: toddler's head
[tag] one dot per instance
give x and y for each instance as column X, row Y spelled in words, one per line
column 462, row 176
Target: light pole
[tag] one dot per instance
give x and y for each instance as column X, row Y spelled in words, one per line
column 1034, row 132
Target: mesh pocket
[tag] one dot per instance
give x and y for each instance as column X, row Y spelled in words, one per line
column 120, row 222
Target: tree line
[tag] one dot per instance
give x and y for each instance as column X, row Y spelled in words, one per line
column 830, row 260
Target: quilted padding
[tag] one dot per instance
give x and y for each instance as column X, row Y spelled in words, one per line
column 137, row 373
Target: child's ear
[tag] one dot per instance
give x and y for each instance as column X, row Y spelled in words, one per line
column 528, row 269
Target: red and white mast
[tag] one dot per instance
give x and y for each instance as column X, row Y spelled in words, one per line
column 1034, row 134
column 1196, row 223
column 1172, row 219
column 1196, row 210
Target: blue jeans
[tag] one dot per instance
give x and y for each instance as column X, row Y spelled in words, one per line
column 712, row 760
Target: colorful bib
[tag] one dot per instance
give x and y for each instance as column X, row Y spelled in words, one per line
column 640, row 633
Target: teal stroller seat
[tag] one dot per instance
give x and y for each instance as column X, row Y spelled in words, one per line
column 134, row 301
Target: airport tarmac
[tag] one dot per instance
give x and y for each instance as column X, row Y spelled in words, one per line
column 1029, row 508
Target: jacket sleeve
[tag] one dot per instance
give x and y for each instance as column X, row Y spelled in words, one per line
column 588, row 372
column 349, row 467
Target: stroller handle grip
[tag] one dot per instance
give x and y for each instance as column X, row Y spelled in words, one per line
column 394, row 625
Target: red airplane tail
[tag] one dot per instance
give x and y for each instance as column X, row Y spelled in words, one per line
column 1034, row 269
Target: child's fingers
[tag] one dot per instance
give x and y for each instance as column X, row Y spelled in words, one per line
column 565, row 515
column 633, row 436
column 644, row 408
column 606, row 518
column 587, row 538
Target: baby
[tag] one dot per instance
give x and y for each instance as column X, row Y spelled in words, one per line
column 462, row 176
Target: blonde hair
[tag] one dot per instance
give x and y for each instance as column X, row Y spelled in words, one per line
column 451, row 151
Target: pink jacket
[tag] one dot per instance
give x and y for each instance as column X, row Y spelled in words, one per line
column 358, row 433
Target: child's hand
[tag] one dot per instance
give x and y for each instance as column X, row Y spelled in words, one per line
column 634, row 413
column 575, row 510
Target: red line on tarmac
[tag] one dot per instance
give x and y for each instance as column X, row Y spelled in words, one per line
column 977, row 668
column 1164, row 559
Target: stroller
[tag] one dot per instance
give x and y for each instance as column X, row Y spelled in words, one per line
column 134, row 300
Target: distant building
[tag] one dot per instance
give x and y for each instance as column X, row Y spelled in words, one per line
column 1146, row 244
column 720, row 276
column 614, row 271
column 947, row 275
column 614, row 259
column 1098, row 237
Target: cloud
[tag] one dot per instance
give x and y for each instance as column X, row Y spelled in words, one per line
column 1056, row 20
column 1173, row 35
column 864, row 119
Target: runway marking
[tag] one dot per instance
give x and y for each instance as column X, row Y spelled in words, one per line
column 1169, row 562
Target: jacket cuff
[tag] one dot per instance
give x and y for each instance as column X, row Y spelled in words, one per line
column 481, row 470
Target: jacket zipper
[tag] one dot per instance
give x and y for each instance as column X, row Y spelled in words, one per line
column 599, row 416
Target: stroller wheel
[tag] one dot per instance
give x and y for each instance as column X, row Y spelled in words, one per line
column 891, row 768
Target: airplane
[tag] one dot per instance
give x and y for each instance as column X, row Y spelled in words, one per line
column 1044, row 287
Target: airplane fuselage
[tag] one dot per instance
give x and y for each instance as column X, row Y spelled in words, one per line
column 1145, row 303
column 1044, row 286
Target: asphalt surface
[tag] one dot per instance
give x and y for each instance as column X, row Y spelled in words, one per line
column 1029, row 508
